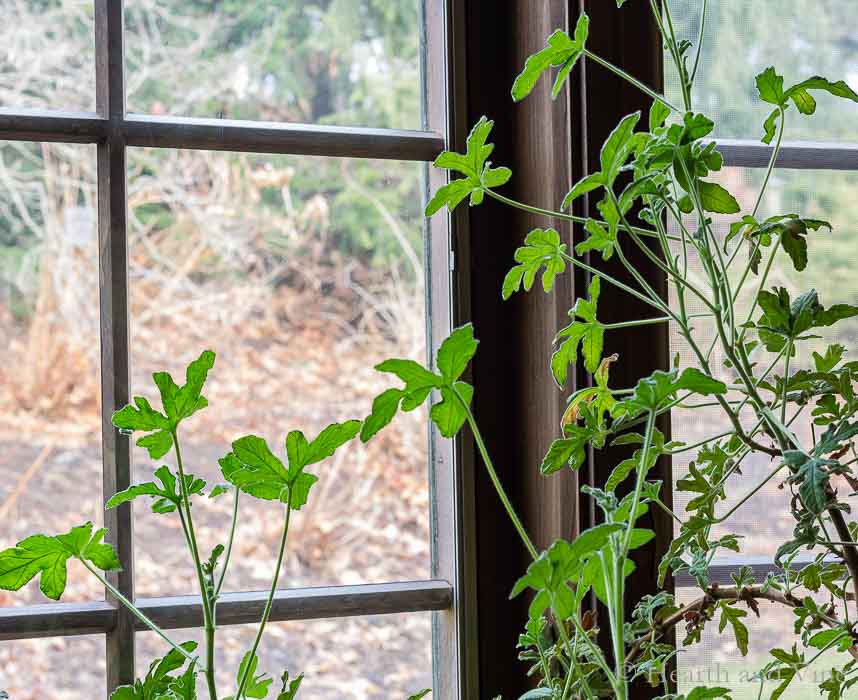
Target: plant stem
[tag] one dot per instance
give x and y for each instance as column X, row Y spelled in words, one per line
column 634, row 81
column 648, row 321
column 786, row 381
column 136, row 611
column 701, row 35
column 772, row 162
column 560, row 215
column 229, row 542
column 266, row 613
column 208, row 618
column 610, row 280
column 487, row 461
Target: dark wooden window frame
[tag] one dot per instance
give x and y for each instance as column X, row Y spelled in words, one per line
column 113, row 130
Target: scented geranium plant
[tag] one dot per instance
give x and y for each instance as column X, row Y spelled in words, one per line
column 657, row 195
column 252, row 468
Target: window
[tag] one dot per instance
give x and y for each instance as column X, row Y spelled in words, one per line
column 247, row 176
column 814, row 179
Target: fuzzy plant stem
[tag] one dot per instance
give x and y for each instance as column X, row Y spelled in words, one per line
column 266, row 613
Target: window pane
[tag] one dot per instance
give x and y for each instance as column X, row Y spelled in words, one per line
column 302, row 274
column 66, row 668
column 48, row 57
column 50, row 435
column 814, row 194
column 359, row 658
column 716, row 661
column 348, row 62
column 800, row 38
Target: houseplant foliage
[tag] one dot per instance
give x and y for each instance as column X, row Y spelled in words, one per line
column 251, row 467
column 660, row 169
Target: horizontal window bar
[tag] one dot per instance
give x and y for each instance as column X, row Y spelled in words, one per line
column 56, row 619
column 720, row 572
column 223, row 135
column 43, row 125
column 183, row 612
column 269, row 137
column 798, row 155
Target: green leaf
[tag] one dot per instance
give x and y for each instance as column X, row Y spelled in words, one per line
column 585, row 330
column 300, row 490
column 569, row 451
column 821, row 640
column 478, row 175
column 651, row 392
column 770, row 127
column 542, row 249
column 290, row 686
column 327, row 443
column 697, row 126
column 182, row 402
column 812, row 476
column 254, row 469
column 384, row 408
column 561, row 50
column 701, row 693
column 256, row 686
column 617, row 148
column 838, row 89
column 794, row 242
column 563, row 560
column 168, row 495
column 582, row 187
column 141, row 416
column 418, row 696
column 770, row 86
column 733, row 616
column 658, row 114
column 455, row 353
column 45, row 556
column 716, row 199
column 600, row 239
column 178, row 403
column 158, row 443
column 159, row 684
column 449, row 414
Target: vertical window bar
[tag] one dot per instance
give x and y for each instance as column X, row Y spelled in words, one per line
column 113, row 272
column 454, row 639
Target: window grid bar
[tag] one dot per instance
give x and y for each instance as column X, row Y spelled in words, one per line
column 185, row 612
column 797, row 155
column 114, row 324
column 222, row 135
column 720, row 573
